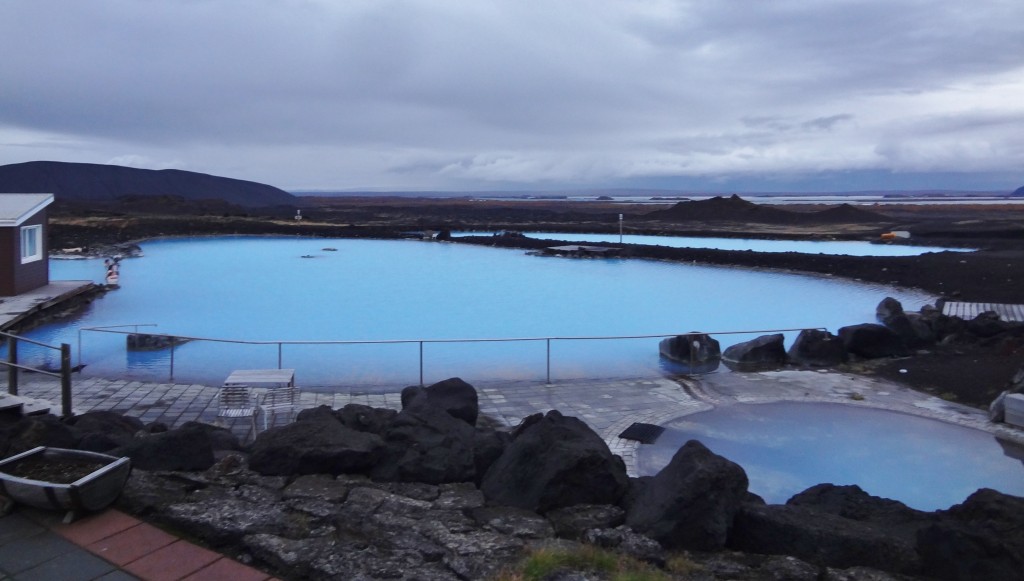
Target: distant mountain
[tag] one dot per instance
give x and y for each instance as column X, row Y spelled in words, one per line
column 1018, row 192
column 87, row 182
column 736, row 209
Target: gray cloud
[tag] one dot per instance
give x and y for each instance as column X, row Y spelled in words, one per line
column 459, row 94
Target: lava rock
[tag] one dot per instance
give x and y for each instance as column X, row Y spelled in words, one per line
column 872, row 341
column 187, row 448
column 764, row 352
column 314, row 447
column 425, row 443
column 817, row 348
column 696, row 352
column 453, row 395
column 365, row 418
column 690, row 504
column 821, row 538
column 888, row 308
column 556, row 462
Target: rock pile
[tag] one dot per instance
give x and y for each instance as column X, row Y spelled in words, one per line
column 429, row 493
column 897, row 334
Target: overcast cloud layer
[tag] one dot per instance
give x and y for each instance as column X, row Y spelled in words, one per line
column 471, row 94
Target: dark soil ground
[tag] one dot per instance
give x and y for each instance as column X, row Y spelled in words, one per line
column 972, row 374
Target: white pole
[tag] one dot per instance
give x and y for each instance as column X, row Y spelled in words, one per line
column 620, row 228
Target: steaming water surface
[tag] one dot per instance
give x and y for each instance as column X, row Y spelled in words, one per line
column 788, row 447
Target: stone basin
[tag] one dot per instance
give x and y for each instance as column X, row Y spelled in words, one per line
column 89, row 493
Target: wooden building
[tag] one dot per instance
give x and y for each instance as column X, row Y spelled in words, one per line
column 24, row 263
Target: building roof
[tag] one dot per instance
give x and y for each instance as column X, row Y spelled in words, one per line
column 16, row 208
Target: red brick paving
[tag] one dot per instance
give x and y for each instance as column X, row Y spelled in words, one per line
column 146, row 551
column 131, row 544
column 173, row 562
column 96, row 527
column 227, row 570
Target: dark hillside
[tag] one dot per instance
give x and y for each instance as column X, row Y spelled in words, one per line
column 736, row 209
column 87, row 182
column 1018, row 192
column 845, row 214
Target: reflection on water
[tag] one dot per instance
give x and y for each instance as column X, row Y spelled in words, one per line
column 786, row 448
column 262, row 289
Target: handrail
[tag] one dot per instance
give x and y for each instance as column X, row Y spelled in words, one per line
column 462, row 340
column 13, row 367
column 421, row 342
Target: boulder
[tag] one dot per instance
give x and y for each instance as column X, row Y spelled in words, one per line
column 943, row 326
column 107, row 422
column 980, row 538
column 488, row 446
column 365, row 418
column 821, row 538
column 872, row 341
column 690, row 504
column 320, row 413
column 696, row 352
column 986, row 325
column 912, row 329
column 424, row 443
column 220, row 438
column 852, row 502
column 187, row 448
column 953, row 551
column 453, row 395
column 45, row 430
column 817, row 348
column 764, row 352
column 317, row 446
column 556, row 462
column 888, row 308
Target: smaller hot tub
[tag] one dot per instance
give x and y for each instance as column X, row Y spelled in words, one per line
column 786, row 448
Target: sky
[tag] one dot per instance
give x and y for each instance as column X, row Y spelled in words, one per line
column 469, row 95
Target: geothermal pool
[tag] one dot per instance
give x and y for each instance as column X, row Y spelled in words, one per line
column 300, row 289
column 786, row 448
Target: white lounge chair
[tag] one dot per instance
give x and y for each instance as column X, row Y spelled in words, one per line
column 277, row 400
column 236, row 401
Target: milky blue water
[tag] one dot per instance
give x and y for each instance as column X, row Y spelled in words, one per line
column 847, row 247
column 261, row 289
column 786, row 448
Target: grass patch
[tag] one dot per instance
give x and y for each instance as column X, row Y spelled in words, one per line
column 541, row 563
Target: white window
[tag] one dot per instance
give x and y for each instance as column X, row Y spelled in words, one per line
column 31, row 243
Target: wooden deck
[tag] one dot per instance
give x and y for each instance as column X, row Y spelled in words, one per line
column 14, row 309
column 969, row 311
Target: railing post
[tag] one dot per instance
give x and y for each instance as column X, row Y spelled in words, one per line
column 172, row 359
column 279, row 360
column 549, row 360
column 12, row 371
column 421, row 363
column 65, row 380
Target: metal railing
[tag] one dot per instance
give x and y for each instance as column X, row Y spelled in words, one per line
column 13, row 368
column 174, row 340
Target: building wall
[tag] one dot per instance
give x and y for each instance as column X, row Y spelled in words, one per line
column 15, row 277
column 8, row 252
